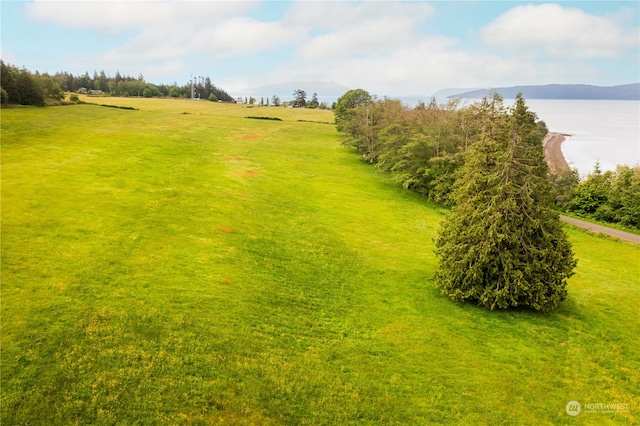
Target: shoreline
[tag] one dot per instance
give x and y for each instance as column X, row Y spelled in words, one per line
column 553, row 155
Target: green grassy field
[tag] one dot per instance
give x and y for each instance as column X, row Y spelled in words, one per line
column 204, row 268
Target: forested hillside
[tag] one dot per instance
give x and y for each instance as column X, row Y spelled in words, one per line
column 23, row 87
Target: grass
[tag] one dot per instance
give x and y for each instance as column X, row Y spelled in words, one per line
column 202, row 268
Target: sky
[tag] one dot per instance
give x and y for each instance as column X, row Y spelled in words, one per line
column 389, row 48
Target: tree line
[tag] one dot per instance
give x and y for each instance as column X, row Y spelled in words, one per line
column 422, row 148
column 21, row 86
column 502, row 245
column 299, row 101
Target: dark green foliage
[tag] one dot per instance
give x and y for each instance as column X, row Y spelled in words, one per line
column 21, row 86
column 51, row 88
column 8, row 82
column 300, row 99
column 204, row 88
column 624, row 196
column 610, row 196
column 422, row 149
column 117, row 107
column 29, row 89
column 313, row 103
column 564, row 183
column 348, row 106
column 25, row 88
column 314, row 121
column 502, row 245
column 176, row 92
column 362, row 121
column 592, row 193
column 265, row 118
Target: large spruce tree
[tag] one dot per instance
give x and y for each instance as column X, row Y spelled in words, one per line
column 502, row 245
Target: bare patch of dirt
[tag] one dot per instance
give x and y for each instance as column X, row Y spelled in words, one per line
column 235, row 194
column 232, row 158
column 246, row 174
column 249, row 137
column 224, row 229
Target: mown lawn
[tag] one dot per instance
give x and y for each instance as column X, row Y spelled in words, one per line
column 204, row 268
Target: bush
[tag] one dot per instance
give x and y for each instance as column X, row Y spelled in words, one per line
column 213, row 98
column 4, row 97
column 74, row 98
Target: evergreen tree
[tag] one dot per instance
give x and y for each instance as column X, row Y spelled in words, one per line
column 313, row 103
column 502, row 245
column 300, row 100
column 29, row 89
column 9, row 83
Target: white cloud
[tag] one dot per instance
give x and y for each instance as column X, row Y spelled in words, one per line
column 361, row 40
column 560, row 32
column 165, row 34
column 232, row 37
column 384, row 47
column 343, row 15
column 348, row 28
column 428, row 65
column 116, row 16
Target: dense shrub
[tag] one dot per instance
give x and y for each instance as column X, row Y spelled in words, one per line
column 611, row 196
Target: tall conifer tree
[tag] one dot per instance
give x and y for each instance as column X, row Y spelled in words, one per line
column 502, row 245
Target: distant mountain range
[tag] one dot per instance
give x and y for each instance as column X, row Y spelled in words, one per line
column 451, row 92
column 556, row 91
column 322, row 88
column 549, row 91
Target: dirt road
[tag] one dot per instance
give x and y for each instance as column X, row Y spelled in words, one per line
column 626, row 236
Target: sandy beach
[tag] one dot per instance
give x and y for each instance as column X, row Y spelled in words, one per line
column 553, row 152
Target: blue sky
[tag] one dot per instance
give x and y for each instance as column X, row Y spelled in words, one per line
column 394, row 48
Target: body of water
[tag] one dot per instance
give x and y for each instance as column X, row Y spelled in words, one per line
column 607, row 132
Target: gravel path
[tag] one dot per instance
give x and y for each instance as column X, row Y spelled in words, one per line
column 627, row 236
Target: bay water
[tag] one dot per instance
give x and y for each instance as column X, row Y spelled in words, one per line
column 601, row 131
